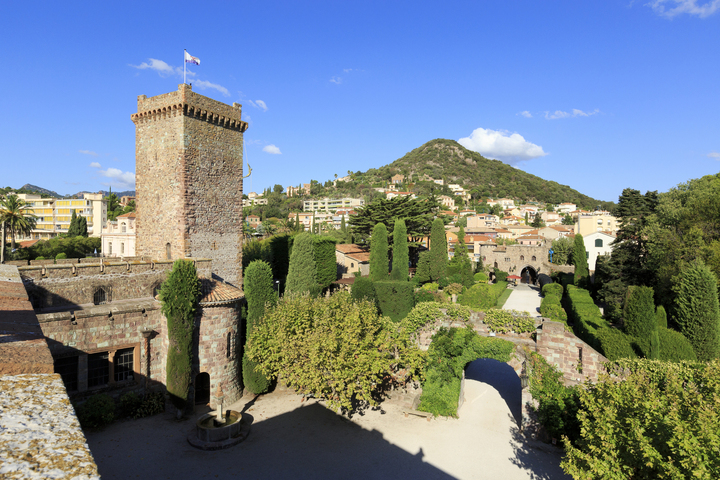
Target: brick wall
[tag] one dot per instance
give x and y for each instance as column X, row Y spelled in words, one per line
column 189, row 179
column 566, row 351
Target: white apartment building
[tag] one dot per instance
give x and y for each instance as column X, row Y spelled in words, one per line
column 54, row 215
column 331, row 204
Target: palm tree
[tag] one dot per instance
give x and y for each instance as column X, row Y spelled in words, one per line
column 14, row 213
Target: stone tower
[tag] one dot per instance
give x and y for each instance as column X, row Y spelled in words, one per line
column 189, row 179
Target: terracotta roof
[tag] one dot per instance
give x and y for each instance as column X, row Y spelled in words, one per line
column 127, row 215
column 27, row 243
column 360, row 256
column 215, row 292
column 348, row 248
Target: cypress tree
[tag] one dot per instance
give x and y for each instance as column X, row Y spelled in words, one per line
column 325, row 260
column 258, row 285
column 179, row 296
column 438, row 250
column 661, row 317
column 580, row 261
column 301, row 272
column 422, row 274
column 74, row 228
column 82, row 227
column 401, row 254
column 640, row 321
column 379, row 253
column 696, row 309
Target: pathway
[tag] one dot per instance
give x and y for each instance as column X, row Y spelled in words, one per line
column 524, row 298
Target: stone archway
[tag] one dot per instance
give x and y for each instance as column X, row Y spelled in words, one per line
column 492, row 389
column 529, row 275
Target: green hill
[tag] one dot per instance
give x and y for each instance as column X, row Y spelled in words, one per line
column 450, row 161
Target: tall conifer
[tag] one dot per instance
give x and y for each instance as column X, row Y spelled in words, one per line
column 259, row 292
column 438, row 250
column 379, row 253
column 401, row 255
column 580, row 260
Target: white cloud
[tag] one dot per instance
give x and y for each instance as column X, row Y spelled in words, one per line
column 89, row 152
column 336, row 80
column 714, row 155
column 95, row 165
column 575, row 113
column 204, row 84
column 122, row 179
column 525, row 114
column 678, row 7
column 502, row 145
column 259, row 104
column 162, row 68
column 272, row 149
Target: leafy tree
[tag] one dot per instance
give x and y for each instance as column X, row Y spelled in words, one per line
column 401, row 255
column 461, row 262
column 417, row 213
column 379, row 254
column 610, row 287
column 568, row 220
column 179, row 295
column 640, row 322
column 260, row 295
column 661, row 421
column 580, row 261
column 15, row 214
column 333, row 348
column 562, row 251
column 438, row 250
column 696, row 309
column 301, row 277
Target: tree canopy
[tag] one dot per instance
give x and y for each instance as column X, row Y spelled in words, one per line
column 417, row 213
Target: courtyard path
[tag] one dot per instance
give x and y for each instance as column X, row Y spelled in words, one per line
column 305, row 440
column 524, row 298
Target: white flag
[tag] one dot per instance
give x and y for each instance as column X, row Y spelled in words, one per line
column 190, row 59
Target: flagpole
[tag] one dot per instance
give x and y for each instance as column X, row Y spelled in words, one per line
column 184, row 66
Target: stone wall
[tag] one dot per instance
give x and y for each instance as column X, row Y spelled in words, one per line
column 513, row 258
column 577, row 360
column 58, row 286
column 189, row 176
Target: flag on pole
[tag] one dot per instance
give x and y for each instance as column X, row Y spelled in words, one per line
column 190, row 59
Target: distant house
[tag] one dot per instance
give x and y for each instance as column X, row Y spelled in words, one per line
column 118, row 236
column 531, row 240
column 397, row 179
column 447, row 201
column 253, row 220
column 596, row 244
column 351, row 258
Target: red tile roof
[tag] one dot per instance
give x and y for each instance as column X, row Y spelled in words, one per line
column 214, row 292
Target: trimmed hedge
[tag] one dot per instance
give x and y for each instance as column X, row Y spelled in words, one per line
column 363, row 289
column 615, row 344
column 500, row 276
column 395, row 299
column 481, row 277
column 674, row 346
column 551, row 306
column 325, row 261
column 552, row 289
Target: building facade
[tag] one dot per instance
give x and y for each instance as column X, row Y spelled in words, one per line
column 332, row 204
column 119, row 236
column 54, row 214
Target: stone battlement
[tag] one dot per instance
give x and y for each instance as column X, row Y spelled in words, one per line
column 112, row 267
column 187, row 103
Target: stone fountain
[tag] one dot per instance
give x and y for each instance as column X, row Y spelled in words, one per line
column 219, row 429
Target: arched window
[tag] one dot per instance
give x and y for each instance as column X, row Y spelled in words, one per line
column 522, row 258
column 100, row 296
column 534, row 259
column 599, row 242
column 123, row 227
column 202, row 388
column 168, row 255
column 156, row 289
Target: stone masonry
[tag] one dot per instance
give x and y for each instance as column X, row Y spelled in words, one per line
column 189, row 177
column 514, row 258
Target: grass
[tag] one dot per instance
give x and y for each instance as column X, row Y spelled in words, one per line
column 502, row 298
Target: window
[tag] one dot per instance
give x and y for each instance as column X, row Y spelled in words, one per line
column 98, row 369
column 168, row 255
column 522, row 258
column 124, row 364
column 109, row 248
column 599, row 242
column 534, row 259
column 67, row 367
column 100, row 297
column 228, row 347
column 122, row 248
column 123, row 227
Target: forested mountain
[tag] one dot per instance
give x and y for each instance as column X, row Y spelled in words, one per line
column 450, row 161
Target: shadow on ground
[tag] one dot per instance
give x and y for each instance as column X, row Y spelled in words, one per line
column 502, row 378
column 309, row 442
column 532, row 456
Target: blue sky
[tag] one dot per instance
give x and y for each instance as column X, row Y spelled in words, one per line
column 599, row 95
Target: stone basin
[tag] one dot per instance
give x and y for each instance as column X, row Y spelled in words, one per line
column 209, row 434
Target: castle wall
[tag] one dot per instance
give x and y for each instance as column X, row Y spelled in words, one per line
column 189, row 179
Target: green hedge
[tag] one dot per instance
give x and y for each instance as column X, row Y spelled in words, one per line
column 500, row 276
column 99, row 410
column 325, row 260
column 482, row 296
column 674, row 346
column 395, row 299
column 504, row 321
column 481, row 277
column 552, row 289
column 363, row 289
column 615, row 343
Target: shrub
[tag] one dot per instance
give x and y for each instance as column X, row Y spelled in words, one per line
column 552, row 289
column 614, row 344
column 395, row 299
column 280, row 258
column 129, row 404
column 454, row 288
column 260, row 295
column 481, row 277
column 557, row 404
column 401, row 256
column 661, row 317
column 500, row 276
column 363, row 289
column 430, row 286
column 585, row 315
column 301, row 277
column 639, row 318
column 379, row 253
column 480, row 296
column 421, row 315
column 551, row 307
column 152, row 403
column 674, row 347
column 325, row 261
column 60, row 256
column 504, row 321
column 423, row 296
column 99, row 410
column 40, row 258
